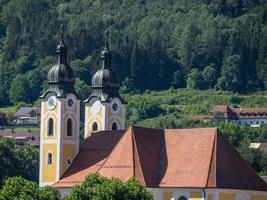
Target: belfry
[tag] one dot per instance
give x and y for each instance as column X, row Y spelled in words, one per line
column 104, row 108
column 173, row 164
column 60, row 120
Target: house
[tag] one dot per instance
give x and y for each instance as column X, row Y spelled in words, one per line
column 28, row 116
column 22, row 137
column 262, row 146
column 174, row 164
column 243, row 116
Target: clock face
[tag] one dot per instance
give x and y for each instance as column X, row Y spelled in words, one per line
column 96, row 107
column 52, row 102
column 115, row 107
column 70, row 102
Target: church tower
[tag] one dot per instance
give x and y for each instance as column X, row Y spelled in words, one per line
column 60, row 120
column 104, row 109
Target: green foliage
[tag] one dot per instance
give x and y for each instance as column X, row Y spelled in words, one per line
column 81, row 89
column 178, row 80
column 231, row 74
column 210, row 76
column 22, row 189
column 20, row 90
column 96, row 187
column 18, row 161
column 195, row 79
column 154, row 47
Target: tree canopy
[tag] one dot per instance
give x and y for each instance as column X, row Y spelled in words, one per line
column 155, row 44
column 96, row 187
column 18, row 161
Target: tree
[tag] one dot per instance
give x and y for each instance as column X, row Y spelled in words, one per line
column 98, row 187
column 178, row 80
column 195, row 79
column 20, row 90
column 18, row 161
column 82, row 89
column 231, row 76
column 210, row 76
column 22, row 189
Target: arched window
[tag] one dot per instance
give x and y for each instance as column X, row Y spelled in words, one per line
column 182, row 198
column 114, row 126
column 94, row 126
column 69, row 128
column 49, row 158
column 50, row 127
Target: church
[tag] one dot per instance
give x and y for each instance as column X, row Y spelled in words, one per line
column 173, row 164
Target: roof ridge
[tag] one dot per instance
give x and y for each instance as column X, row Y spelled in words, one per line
column 211, row 158
column 135, row 147
column 162, row 156
column 131, row 127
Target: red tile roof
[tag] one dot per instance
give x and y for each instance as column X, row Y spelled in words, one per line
column 234, row 113
column 33, row 138
column 200, row 158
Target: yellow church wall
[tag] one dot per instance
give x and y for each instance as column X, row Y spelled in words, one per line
column 94, row 118
column 74, row 128
column 258, row 197
column 195, row 196
column 69, row 151
column 167, row 195
column 49, row 171
column 112, row 119
column 226, row 196
column 53, row 114
column 72, row 110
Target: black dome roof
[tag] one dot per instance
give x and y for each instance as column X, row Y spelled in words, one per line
column 60, row 73
column 61, row 77
column 105, row 82
column 105, row 78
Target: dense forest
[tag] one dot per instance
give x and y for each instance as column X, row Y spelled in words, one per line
column 156, row 44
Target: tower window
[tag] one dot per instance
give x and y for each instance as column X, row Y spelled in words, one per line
column 50, row 127
column 182, row 198
column 94, row 126
column 114, row 126
column 49, row 158
column 69, row 128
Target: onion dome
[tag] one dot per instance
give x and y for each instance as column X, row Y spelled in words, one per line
column 61, row 77
column 105, row 82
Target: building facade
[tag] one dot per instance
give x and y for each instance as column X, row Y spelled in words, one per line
column 243, row 116
column 173, row 164
column 60, row 121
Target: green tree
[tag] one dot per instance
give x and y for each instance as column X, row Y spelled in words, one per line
column 82, row 89
column 18, row 161
column 210, row 76
column 178, row 80
column 231, row 76
column 20, row 90
column 195, row 79
column 97, row 187
column 22, row 189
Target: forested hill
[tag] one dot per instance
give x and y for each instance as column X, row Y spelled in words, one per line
column 156, row 44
